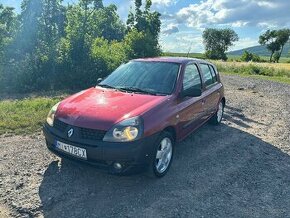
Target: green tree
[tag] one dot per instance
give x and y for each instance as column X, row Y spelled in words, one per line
column 87, row 21
column 269, row 38
column 148, row 24
column 51, row 29
column 218, row 41
column 283, row 36
column 8, row 23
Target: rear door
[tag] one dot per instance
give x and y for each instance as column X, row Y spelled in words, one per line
column 211, row 92
column 190, row 108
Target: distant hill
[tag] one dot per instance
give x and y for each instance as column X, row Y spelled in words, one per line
column 261, row 50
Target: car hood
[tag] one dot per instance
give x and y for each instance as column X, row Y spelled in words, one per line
column 100, row 108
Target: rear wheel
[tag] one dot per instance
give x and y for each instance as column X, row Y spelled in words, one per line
column 217, row 118
column 163, row 155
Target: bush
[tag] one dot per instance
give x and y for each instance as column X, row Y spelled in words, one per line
column 248, row 56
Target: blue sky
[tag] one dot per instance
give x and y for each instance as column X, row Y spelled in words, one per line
column 184, row 20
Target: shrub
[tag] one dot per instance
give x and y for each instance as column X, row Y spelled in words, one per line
column 248, row 56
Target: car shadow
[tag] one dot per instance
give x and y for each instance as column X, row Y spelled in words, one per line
column 219, row 171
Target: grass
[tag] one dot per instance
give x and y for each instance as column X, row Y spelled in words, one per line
column 275, row 72
column 285, row 80
column 25, row 116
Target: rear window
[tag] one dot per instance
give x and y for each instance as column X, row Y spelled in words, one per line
column 213, row 73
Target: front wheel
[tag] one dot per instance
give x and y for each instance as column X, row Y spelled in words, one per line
column 218, row 116
column 163, row 155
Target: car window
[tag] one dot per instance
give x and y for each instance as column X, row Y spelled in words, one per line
column 207, row 74
column 213, row 72
column 191, row 77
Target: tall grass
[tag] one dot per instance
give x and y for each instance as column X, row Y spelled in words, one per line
column 253, row 69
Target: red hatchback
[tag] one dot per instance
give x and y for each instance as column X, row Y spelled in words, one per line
column 133, row 118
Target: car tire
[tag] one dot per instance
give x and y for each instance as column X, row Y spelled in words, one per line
column 218, row 116
column 163, row 155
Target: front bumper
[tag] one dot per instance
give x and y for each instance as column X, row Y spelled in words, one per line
column 133, row 156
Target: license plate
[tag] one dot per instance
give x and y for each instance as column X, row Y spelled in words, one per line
column 73, row 150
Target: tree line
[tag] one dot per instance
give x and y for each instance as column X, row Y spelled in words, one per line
column 218, row 41
column 52, row 46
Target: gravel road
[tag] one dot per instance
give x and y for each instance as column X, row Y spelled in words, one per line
column 238, row 169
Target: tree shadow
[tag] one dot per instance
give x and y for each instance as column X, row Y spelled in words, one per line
column 235, row 115
column 219, row 171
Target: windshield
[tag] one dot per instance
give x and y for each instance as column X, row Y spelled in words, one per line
column 145, row 77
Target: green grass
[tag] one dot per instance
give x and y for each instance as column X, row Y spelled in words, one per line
column 285, row 80
column 24, row 116
column 278, row 73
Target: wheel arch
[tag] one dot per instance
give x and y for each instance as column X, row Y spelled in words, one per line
column 172, row 131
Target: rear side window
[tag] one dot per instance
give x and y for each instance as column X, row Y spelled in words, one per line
column 213, row 72
column 191, row 77
column 209, row 75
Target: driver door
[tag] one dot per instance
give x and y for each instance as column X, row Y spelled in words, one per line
column 190, row 108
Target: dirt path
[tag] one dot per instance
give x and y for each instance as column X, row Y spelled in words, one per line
column 238, row 169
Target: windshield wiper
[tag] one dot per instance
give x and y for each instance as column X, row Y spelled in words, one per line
column 106, row 86
column 138, row 90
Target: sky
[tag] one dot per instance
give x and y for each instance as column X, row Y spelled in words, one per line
column 183, row 21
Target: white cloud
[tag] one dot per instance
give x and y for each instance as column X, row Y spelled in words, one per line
column 164, row 2
column 170, row 29
column 182, row 42
column 236, row 13
column 161, row 2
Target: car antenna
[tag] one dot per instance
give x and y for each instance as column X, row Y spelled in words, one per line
column 189, row 50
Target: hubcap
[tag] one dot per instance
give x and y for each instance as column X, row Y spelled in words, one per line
column 164, row 155
column 220, row 112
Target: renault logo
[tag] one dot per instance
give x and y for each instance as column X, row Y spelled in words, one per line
column 70, row 133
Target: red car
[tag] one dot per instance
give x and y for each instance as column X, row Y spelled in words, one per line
column 134, row 117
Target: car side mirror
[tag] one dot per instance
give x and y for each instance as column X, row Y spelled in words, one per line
column 191, row 92
column 99, row 80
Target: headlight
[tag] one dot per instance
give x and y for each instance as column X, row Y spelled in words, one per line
column 50, row 116
column 127, row 130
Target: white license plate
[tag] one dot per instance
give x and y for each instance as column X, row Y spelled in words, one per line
column 73, row 150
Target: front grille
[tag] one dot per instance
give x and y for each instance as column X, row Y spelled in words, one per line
column 92, row 134
column 59, row 125
column 84, row 133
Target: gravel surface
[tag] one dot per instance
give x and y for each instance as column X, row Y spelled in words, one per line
column 238, row 169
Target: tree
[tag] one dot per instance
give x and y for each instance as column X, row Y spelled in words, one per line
column 218, row 41
column 269, row 38
column 146, row 26
column 51, row 29
column 87, row 21
column 283, row 36
column 7, row 27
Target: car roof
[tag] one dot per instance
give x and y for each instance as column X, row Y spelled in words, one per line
column 178, row 60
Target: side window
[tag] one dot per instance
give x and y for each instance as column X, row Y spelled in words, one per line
column 191, row 77
column 213, row 72
column 207, row 73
